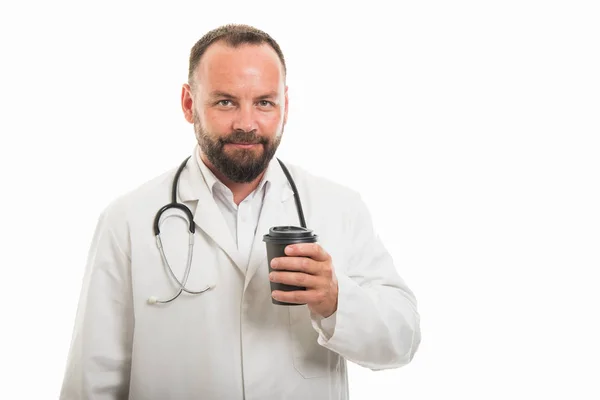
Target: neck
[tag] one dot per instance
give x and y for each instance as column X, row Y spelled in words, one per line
column 240, row 190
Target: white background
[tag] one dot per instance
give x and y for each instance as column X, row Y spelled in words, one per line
column 470, row 127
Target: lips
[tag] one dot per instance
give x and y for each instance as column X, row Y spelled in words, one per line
column 245, row 146
column 244, row 143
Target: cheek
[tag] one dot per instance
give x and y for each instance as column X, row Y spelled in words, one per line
column 216, row 121
column 270, row 122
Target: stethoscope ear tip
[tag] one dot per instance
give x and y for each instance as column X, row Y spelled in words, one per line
column 152, row 300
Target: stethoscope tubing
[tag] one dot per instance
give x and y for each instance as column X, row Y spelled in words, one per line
column 192, row 229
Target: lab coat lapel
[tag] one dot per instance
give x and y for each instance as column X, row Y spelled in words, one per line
column 275, row 211
column 207, row 215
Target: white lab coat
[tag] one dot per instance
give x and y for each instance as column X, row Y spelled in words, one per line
column 231, row 342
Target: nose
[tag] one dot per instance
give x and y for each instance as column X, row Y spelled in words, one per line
column 245, row 119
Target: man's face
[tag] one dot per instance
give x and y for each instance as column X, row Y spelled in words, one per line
column 239, row 108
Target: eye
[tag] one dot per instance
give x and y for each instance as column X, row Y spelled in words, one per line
column 224, row 103
column 265, row 103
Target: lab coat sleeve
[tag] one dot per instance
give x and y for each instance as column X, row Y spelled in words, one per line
column 100, row 352
column 376, row 324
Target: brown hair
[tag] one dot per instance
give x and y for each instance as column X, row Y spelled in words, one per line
column 234, row 35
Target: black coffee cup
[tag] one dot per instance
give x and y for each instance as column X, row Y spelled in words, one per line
column 277, row 239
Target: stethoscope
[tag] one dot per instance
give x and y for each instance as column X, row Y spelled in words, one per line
column 189, row 219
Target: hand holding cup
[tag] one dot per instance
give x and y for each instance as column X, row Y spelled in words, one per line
column 309, row 266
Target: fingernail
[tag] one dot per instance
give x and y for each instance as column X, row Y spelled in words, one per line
column 274, row 263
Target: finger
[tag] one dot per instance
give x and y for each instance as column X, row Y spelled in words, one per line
column 312, row 250
column 298, row 264
column 296, row 279
column 296, row 296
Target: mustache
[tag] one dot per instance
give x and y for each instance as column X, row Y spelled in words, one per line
column 244, row 137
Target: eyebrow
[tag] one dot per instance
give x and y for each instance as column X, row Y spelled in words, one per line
column 218, row 93
column 269, row 95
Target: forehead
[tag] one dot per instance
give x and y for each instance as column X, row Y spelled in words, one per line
column 244, row 67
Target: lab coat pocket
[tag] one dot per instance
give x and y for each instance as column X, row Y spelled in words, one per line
column 311, row 359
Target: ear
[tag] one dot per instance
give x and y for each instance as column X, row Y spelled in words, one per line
column 187, row 103
column 285, row 111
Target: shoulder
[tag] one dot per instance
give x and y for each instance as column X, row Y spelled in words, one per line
column 121, row 208
column 322, row 188
column 336, row 211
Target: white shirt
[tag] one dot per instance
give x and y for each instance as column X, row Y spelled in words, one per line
column 242, row 220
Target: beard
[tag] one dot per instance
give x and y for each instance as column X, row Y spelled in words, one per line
column 238, row 165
